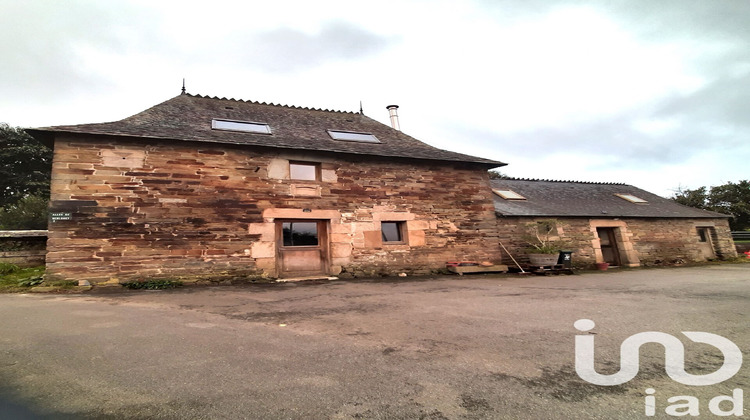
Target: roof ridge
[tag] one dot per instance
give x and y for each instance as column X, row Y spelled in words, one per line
column 561, row 181
column 269, row 104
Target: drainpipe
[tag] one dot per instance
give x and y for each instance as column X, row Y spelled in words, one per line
column 393, row 111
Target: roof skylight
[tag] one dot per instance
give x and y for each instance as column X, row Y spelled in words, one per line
column 352, row 136
column 632, row 198
column 509, row 195
column 246, row 126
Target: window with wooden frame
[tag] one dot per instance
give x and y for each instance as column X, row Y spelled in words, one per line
column 393, row 232
column 304, row 171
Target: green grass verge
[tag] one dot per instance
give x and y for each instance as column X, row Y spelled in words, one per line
column 15, row 279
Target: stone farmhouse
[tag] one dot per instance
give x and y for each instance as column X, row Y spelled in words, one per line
column 207, row 188
column 615, row 223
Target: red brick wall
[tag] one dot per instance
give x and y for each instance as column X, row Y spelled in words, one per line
column 192, row 210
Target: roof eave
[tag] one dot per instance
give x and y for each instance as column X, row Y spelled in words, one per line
column 47, row 136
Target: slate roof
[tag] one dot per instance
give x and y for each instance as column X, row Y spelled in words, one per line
column 587, row 199
column 188, row 117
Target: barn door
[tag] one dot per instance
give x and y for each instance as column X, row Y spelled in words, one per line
column 607, row 239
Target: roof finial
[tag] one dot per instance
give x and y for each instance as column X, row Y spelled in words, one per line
column 183, row 85
column 360, row 108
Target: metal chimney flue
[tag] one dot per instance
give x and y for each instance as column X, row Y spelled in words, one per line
column 393, row 111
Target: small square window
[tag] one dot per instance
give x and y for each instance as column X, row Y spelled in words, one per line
column 304, row 171
column 393, row 232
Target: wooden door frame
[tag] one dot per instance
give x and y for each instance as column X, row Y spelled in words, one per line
column 625, row 245
column 613, row 243
column 323, row 244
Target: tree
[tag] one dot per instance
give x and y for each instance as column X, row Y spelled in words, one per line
column 730, row 198
column 495, row 174
column 25, row 166
column 697, row 198
column 29, row 212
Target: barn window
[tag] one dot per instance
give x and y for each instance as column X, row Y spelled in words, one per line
column 304, row 171
column 393, row 232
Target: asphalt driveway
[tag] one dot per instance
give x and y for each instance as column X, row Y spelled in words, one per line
column 446, row 347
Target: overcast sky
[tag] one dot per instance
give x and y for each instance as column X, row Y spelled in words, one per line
column 650, row 93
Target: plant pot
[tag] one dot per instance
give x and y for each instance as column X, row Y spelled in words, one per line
column 543, row 259
column 602, row 266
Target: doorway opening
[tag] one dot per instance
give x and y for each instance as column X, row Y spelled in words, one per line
column 303, row 247
column 705, row 242
column 609, row 247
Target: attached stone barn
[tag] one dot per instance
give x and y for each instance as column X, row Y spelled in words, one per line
column 207, row 188
column 615, row 223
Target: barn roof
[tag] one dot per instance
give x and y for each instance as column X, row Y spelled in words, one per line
column 189, row 118
column 545, row 198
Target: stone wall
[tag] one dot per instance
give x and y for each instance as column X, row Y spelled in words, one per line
column 664, row 241
column 24, row 248
column 641, row 242
column 208, row 211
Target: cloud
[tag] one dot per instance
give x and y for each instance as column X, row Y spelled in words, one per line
column 721, row 108
column 643, row 138
column 634, row 85
column 44, row 47
column 717, row 20
column 289, row 50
